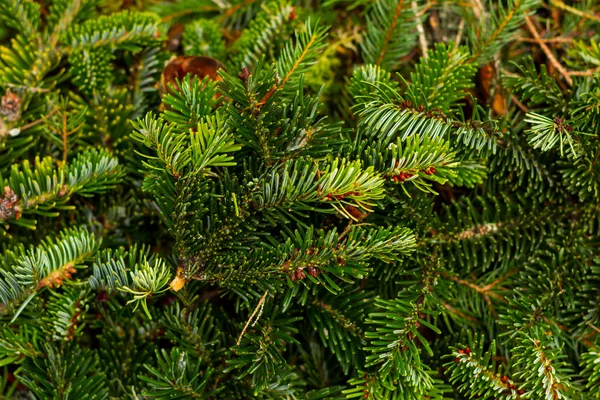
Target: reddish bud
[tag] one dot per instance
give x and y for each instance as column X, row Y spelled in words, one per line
column 102, row 297
column 244, row 75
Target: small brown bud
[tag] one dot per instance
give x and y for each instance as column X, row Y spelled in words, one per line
column 10, row 106
column 244, row 75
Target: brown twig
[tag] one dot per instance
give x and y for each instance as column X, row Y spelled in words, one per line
column 588, row 72
column 461, row 26
column 548, row 52
column 573, row 10
column 422, row 38
column 259, row 306
column 388, row 35
column 522, row 106
column 550, row 40
column 37, row 121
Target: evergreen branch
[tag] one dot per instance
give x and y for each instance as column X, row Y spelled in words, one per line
column 547, row 133
column 18, row 344
column 544, row 373
column 492, row 35
column 257, row 39
column 21, row 15
column 300, row 54
column 187, row 152
column 416, row 160
column 178, row 375
column 41, row 189
column 391, row 32
column 314, row 255
column 479, row 375
column 537, row 88
column 493, row 223
column 69, row 371
column 394, row 344
column 386, row 115
column 591, row 362
column 204, row 36
column 195, row 330
column 443, row 77
column 336, row 318
column 66, row 313
column 124, row 30
column 190, row 102
column 111, row 268
column 64, row 13
column 47, row 265
column 147, row 280
column 27, row 63
column 260, row 351
column 342, row 183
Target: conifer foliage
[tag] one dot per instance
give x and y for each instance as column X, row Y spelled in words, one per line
column 382, row 199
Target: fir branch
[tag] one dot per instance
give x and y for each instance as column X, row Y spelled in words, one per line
column 394, row 344
column 69, row 371
column 479, row 375
column 42, row 189
column 543, row 371
column 257, row 39
column 443, row 77
column 124, row 30
column 178, row 375
column 300, row 54
column 547, row 133
column 591, row 362
column 21, row 15
column 494, row 33
column 391, row 32
column 47, row 265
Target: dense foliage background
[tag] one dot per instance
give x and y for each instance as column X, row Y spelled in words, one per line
column 375, row 199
